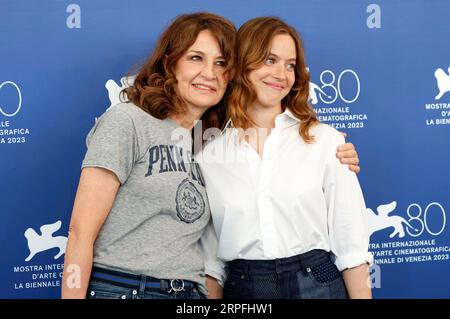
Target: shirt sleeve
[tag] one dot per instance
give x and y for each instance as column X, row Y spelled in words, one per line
column 347, row 224
column 112, row 144
column 214, row 266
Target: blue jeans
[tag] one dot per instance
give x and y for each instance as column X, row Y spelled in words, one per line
column 307, row 276
column 116, row 285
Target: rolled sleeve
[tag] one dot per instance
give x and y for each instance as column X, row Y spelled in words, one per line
column 347, row 224
column 214, row 266
column 353, row 260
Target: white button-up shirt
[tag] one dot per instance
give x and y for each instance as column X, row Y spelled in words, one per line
column 294, row 198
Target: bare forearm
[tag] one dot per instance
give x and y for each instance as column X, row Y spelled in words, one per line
column 95, row 196
column 77, row 267
column 357, row 282
column 215, row 291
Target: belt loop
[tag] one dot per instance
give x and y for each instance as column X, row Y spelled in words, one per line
column 142, row 286
column 163, row 286
column 278, row 265
column 301, row 261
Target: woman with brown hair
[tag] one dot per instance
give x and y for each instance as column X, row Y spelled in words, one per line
column 141, row 204
column 289, row 217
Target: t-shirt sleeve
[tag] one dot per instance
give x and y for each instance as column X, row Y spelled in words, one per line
column 214, row 267
column 112, row 144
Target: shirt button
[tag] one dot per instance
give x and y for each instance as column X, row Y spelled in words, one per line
column 124, row 297
column 134, row 292
column 92, row 293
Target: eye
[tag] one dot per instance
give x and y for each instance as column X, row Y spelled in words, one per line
column 221, row 63
column 270, row 61
column 195, row 58
column 291, row 66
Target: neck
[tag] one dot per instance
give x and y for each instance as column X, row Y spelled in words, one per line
column 187, row 119
column 264, row 116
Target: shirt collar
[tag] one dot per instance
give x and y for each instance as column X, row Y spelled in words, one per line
column 286, row 119
column 229, row 124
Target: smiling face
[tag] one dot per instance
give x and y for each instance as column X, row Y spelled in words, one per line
column 273, row 80
column 200, row 73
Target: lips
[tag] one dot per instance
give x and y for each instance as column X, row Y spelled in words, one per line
column 204, row 87
column 275, row 86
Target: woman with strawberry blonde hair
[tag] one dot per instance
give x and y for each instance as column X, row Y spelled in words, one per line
column 288, row 216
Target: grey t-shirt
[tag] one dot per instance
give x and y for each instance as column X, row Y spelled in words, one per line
column 161, row 208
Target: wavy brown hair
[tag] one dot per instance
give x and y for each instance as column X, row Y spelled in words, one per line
column 253, row 46
column 154, row 88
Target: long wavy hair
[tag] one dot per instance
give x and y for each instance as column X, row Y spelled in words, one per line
column 154, row 88
column 253, row 46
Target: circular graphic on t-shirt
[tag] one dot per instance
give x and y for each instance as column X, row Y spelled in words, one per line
column 190, row 203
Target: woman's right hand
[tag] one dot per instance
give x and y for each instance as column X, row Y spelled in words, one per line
column 95, row 196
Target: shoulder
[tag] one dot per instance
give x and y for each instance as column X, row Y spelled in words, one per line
column 130, row 114
column 130, row 110
column 325, row 134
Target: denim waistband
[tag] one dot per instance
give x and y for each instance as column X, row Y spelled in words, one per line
column 294, row 263
column 139, row 281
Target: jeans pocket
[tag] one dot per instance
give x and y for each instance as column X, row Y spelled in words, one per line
column 232, row 284
column 324, row 273
column 323, row 281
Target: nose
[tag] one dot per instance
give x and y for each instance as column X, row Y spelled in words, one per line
column 208, row 71
column 279, row 72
